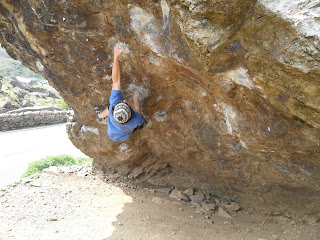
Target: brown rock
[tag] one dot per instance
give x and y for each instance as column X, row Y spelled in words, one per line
column 198, row 197
column 231, row 89
column 232, row 207
column 188, row 191
column 209, row 206
column 223, row 213
column 176, row 194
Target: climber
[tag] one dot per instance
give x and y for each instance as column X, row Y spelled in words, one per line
column 122, row 120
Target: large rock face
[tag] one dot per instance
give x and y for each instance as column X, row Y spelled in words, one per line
column 231, row 89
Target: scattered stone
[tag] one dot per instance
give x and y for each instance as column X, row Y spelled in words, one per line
column 233, row 207
column 164, row 190
column 82, row 174
column 188, row 191
column 34, row 184
column 198, row 197
column 209, row 221
column 200, row 210
column 311, row 219
column 6, row 104
column 176, row 194
column 209, row 206
column 137, row 172
column 68, row 169
column 26, row 180
column 223, row 213
column 27, row 103
column 51, row 169
column 207, row 196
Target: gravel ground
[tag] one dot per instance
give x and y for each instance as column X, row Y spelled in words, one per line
column 73, row 203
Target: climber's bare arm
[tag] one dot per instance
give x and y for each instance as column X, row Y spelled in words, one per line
column 116, row 68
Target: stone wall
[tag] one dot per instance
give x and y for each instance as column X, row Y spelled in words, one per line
column 31, row 117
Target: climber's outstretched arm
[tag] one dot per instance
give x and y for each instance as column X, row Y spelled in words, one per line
column 116, row 68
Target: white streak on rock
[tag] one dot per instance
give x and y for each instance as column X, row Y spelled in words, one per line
column 240, row 76
column 143, row 24
column 161, row 116
column 39, row 66
column 124, row 148
column 165, row 13
column 230, row 117
column 243, row 144
column 93, row 130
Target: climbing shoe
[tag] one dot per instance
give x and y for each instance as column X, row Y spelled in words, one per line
column 97, row 111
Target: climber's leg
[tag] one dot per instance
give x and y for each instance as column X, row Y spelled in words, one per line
column 136, row 102
column 104, row 113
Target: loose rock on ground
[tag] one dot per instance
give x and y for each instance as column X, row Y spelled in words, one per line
column 74, row 203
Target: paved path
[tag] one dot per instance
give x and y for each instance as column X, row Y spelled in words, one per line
column 20, row 147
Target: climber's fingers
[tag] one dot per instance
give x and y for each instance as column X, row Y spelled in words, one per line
column 117, row 51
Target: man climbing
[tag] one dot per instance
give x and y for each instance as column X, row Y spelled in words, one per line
column 122, row 120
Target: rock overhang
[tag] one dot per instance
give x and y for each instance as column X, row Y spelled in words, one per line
column 231, row 91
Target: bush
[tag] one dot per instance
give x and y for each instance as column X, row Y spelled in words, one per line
column 60, row 160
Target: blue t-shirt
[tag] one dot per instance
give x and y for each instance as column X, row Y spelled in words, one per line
column 120, row 132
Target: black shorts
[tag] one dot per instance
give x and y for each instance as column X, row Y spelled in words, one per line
column 140, row 126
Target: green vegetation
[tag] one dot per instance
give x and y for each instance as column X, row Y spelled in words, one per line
column 62, row 104
column 8, row 92
column 36, row 167
column 60, row 160
column 48, row 101
column 11, row 67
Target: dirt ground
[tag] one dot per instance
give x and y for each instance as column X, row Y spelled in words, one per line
column 72, row 203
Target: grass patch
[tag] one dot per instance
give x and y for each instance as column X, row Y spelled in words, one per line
column 60, row 160
column 62, row 104
column 48, row 101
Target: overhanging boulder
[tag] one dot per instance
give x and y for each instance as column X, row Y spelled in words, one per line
column 231, row 89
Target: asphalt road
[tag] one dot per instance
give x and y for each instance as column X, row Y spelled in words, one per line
column 20, row 147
